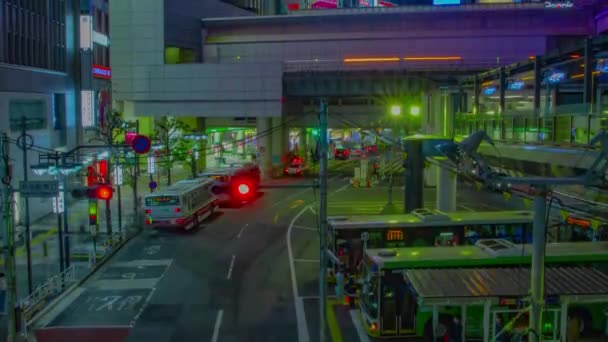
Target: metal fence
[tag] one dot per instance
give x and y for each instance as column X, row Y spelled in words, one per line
column 45, row 292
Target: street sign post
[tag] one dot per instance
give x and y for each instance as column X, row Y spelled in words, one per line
column 39, row 188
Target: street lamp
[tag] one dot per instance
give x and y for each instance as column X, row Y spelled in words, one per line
column 415, row 111
column 396, row 110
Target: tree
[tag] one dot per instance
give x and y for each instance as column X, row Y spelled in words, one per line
column 185, row 151
column 166, row 131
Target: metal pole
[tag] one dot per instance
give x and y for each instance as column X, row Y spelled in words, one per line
column 9, row 240
column 119, row 213
column 322, row 216
column 537, row 275
column 28, row 246
column 66, row 231
column 59, row 223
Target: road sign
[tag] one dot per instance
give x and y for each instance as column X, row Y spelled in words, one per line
column 141, row 144
column 152, row 185
column 39, row 188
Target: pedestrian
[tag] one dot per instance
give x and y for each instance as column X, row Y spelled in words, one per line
column 573, row 328
column 456, row 331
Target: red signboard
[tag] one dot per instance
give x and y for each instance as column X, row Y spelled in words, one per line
column 129, row 136
column 101, row 71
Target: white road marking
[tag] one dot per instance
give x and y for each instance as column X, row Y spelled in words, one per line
column 306, row 260
column 465, row 207
column 231, row 267
column 354, row 316
column 241, row 231
column 143, row 307
column 218, row 324
column 299, row 305
column 313, row 229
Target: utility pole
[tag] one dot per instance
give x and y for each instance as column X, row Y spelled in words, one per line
column 26, row 220
column 322, row 217
column 9, row 239
column 537, row 274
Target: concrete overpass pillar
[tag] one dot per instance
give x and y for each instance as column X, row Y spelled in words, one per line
column 279, row 141
column 538, row 78
column 264, row 153
column 446, row 189
column 201, row 162
column 303, row 144
column 503, row 88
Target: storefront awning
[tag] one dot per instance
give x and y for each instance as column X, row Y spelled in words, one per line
column 479, row 283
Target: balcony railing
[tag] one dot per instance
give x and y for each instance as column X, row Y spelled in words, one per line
column 557, row 130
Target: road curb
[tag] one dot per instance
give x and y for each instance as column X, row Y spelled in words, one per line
column 68, row 291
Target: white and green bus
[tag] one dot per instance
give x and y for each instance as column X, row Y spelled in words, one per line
column 416, row 291
column 424, row 228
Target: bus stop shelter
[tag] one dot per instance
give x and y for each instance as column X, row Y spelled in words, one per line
column 485, row 286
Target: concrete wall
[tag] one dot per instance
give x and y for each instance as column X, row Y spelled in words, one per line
column 182, row 23
column 150, row 88
column 474, row 35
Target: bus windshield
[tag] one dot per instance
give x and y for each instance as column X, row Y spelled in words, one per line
column 162, row 200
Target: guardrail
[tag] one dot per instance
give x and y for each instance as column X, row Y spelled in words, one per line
column 52, row 287
column 569, row 130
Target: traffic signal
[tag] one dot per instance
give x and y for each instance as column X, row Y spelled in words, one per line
column 92, row 212
column 102, row 192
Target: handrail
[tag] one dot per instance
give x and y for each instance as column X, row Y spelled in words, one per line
column 573, row 130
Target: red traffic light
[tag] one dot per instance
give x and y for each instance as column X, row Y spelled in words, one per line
column 104, row 192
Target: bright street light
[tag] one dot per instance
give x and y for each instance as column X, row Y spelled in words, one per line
column 396, row 110
column 415, row 111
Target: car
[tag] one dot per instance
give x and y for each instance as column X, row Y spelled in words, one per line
column 356, row 151
column 235, row 184
column 371, row 148
column 296, row 167
column 342, row 154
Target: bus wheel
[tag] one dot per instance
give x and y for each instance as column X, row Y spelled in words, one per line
column 442, row 328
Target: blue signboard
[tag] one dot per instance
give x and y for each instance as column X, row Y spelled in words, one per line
column 446, row 2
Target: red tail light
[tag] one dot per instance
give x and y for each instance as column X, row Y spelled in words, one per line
column 177, row 210
column 340, row 252
column 298, row 170
column 344, row 153
column 148, row 221
column 286, row 171
column 180, row 221
column 148, row 211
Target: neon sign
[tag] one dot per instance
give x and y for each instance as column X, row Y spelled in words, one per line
column 516, row 85
column 489, row 91
column 394, row 235
column 101, row 71
column 567, row 4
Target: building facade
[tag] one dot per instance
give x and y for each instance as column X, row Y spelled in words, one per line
column 43, row 67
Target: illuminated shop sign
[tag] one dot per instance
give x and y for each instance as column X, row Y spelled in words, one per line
column 325, row 4
column 101, row 71
column 567, row 4
column 516, row 85
column 489, row 91
column 101, row 39
column 446, row 2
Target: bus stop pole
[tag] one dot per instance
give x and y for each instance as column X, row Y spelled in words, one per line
column 322, row 217
column 537, row 275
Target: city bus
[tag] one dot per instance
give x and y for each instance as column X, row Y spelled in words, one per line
column 182, row 205
column 423, row 227
column 416, row 291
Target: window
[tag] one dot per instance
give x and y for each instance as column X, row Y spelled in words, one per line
column 31, row 36
column 59, row 112
column 33, row 110
column 177, row 55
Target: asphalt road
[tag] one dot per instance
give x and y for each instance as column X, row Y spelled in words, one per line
column 247, row 274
